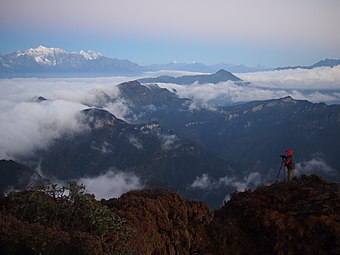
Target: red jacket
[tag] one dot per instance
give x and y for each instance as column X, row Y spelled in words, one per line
column 289, row 160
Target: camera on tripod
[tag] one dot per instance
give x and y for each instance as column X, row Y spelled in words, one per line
column 283, row 157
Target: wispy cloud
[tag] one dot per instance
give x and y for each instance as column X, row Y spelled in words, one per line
column 111, row 184
column 169, row 142
column 202, row 182
column 206, row 182
column 136, row 142
column 314, row 166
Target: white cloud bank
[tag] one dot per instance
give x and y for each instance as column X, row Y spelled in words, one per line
column 322, row 78
column 111, row 184
column 26, row 125
column 315, row 85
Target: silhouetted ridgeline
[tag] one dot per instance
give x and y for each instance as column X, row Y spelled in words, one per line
column 300, row 217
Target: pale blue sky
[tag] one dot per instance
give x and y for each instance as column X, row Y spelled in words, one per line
column 267, row 32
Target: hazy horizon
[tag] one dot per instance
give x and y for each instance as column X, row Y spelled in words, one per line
column 264, row 32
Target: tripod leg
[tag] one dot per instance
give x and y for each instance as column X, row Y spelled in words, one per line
column 278, row 174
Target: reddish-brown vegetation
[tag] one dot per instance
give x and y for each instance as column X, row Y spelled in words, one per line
column 298, row 217
column 163, row 222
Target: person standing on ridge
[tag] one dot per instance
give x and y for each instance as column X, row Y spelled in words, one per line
column 289, row 162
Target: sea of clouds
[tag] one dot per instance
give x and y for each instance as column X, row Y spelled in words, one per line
column 27, row 124
column 315, row 85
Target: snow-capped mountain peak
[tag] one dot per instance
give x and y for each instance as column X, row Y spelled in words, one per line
column 42, row 54
column 41, row 60
column 43, row 51
column 90, row 55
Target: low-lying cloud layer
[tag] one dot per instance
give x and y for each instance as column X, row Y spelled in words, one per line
column 27, row 124
column 111, row 184
column 322, row 78
column 315, row 85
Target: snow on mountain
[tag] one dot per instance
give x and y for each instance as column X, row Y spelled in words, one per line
column 90, row 55
column 48, row 56
column 42, row 55
column 43, row 60
column 42, row 50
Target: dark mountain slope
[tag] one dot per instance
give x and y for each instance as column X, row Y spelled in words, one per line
column 143, row 96
column 250, row 134
column 153, row 103
column 219, row 76
column 255, row 133
column 157, row 157
column 16, row 176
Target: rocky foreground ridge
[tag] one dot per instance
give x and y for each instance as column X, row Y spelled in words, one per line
column 299, row 217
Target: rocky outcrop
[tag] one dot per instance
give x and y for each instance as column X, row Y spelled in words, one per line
column 297, row 217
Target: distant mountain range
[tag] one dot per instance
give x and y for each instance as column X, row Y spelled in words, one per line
column 323, row 63
column 220, row 76
column 56, row 62
column 42, row 61
column 49, row 62
column 200, row 67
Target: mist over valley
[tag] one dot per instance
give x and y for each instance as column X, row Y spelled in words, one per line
column 202, row 134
